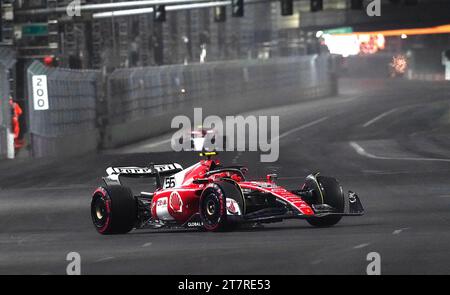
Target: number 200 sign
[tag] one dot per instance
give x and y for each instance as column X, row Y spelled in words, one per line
column 40, row 93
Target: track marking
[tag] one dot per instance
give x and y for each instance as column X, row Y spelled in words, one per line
column 105, row 259
column 147, row 244
column 158, row 143
column 372, row 171
column 360, row 246
column 361, row 151
column 348, row 99
column 315, row 262
column 398, row 231
column 377, row 118
column 444, row 196
column 376, row 172
column 302, row 127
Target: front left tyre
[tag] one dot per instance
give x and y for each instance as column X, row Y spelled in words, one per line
column 213, row 206
column 327, row 190
column 114, row 210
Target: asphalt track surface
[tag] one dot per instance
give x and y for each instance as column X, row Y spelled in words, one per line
column 388, row 140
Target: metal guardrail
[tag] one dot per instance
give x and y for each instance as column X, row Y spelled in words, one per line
column 7, row 61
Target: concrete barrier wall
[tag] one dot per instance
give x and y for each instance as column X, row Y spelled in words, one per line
column 142, row 102
column 135, row 104
column 4, row 114
column 69, row 126
column 367, row 66
column 426, row 64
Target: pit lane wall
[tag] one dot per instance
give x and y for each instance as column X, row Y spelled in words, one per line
column 88, row 110
column 7, row 61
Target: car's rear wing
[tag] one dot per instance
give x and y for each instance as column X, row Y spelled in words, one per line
column 157, row 170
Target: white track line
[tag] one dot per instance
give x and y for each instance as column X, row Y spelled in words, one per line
column 158, row 143
column 398, row 231
column 348, row 99
column 105, row 259
column 315, row 262
column 361, row 151
column 360, row 246
column 368, row 123
column 302, row 127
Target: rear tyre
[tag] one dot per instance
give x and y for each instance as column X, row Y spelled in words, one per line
column 113, row 210
column 213, row 207
column 327, row 191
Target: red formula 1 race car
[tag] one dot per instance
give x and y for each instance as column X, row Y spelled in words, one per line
column 212, row 197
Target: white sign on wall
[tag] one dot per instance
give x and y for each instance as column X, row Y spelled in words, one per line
column 40, row 93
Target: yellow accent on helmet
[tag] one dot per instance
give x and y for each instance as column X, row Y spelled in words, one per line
column 208, row 154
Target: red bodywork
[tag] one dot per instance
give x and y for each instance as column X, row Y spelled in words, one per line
column 181, row 202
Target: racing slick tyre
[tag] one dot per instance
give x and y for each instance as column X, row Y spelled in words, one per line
column 113, row 210
column 327, row 191
column 213, row 206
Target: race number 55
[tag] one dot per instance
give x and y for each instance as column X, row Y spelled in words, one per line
column 169, row 182
column 40, row 93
